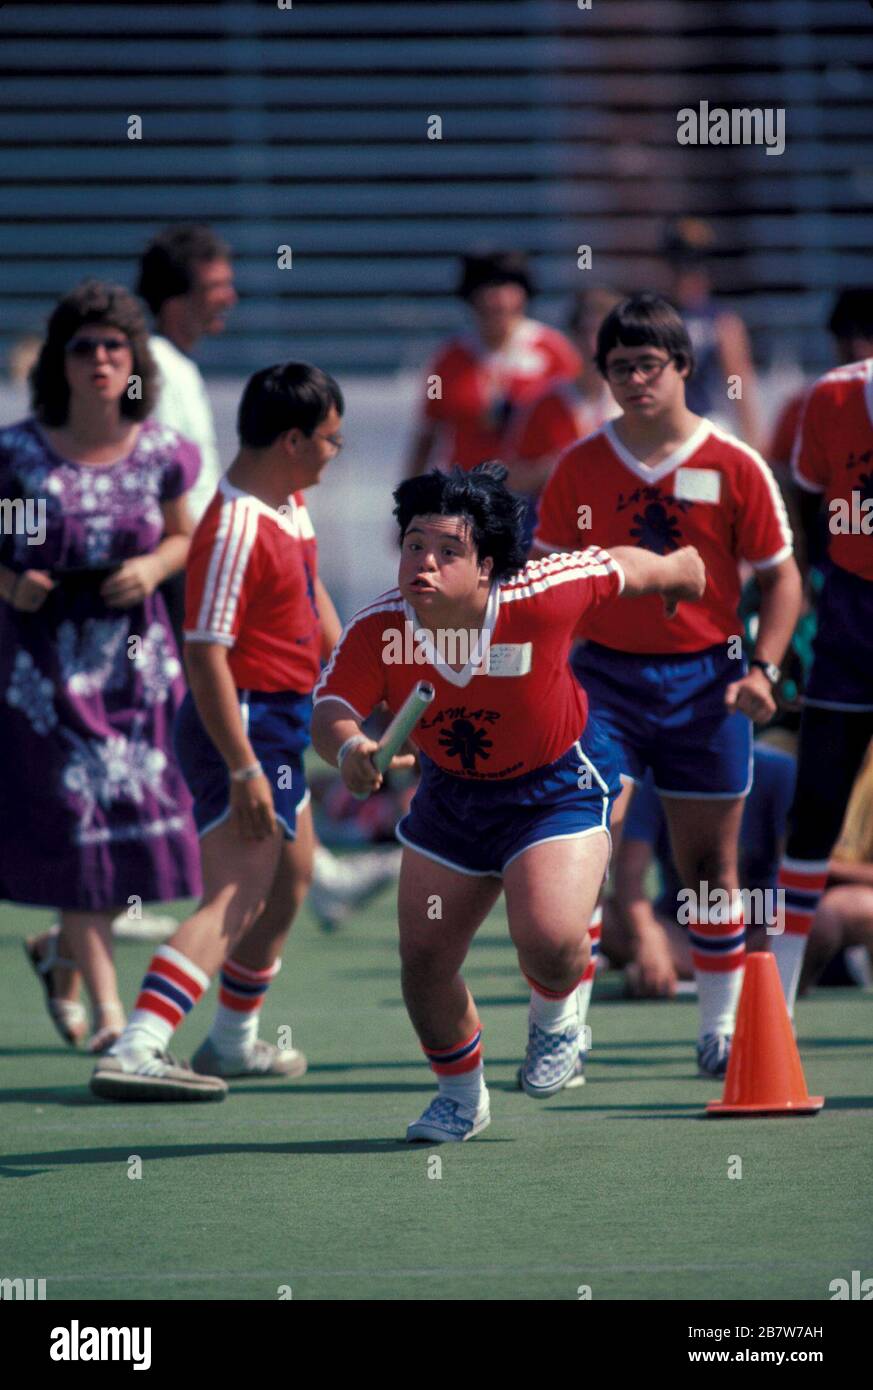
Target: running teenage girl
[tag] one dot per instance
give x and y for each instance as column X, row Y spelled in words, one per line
column 258, row 621
column 516, row 781
column 833, row 458
column 676, row 694
column 477, row 380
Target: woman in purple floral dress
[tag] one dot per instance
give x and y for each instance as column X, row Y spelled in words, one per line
column 94, row 813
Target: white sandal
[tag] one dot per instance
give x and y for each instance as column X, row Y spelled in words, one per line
column 111, row 1027
column 67, row 1015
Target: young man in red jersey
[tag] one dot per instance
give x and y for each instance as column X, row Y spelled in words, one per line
column 258, row 622
column 832, row 461
column 478, row 379
column 516, row 781
column 676, row 693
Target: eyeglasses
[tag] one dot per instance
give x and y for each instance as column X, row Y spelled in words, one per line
column 87, row 347
column 333, row 439
column 648, row 369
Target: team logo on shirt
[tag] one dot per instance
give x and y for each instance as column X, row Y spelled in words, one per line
column 656, row 522
column 467, row 742
column 462, row 738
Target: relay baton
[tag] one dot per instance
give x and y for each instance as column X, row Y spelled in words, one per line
column 401, row 727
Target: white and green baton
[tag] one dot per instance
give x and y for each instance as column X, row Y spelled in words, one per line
column 401, row 727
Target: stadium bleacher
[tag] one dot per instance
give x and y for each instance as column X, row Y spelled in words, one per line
column 307, row 127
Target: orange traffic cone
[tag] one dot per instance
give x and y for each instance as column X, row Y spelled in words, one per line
column 764, row 1075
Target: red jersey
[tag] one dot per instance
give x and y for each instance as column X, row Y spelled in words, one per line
column 509, row 711
column 479, row 387
column 557, row 419
column 833, row 454
column 250, row 586
column 714, row 493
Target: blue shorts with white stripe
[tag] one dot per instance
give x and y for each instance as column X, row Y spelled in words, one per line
column 480, row 827
column 277, row 724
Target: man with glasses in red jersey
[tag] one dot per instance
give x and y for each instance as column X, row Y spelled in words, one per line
column 676, row 692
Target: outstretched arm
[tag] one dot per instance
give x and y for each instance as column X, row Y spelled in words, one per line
column 676, row 577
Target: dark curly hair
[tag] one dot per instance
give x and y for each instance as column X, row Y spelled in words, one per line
column 495, row 517
column 92, row 301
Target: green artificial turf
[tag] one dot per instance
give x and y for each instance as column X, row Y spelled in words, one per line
column 620, row 1186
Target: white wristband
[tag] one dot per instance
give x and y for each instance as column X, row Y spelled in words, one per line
column 354, row 742
column 247, row 774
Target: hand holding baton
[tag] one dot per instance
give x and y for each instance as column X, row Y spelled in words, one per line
column 398, row 731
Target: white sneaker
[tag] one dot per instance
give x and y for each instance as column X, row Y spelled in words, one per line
column 144, row 928
column 448, row 1121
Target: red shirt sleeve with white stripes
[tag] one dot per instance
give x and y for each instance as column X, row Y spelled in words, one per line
column 355, row 673
column 221, row 572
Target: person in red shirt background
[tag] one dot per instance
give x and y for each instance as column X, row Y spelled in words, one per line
column 476, row 380
column 850, row 326
column 566, row 410
column 832, row 462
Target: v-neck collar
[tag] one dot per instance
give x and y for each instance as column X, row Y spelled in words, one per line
column 463, row 677
column 667, row 465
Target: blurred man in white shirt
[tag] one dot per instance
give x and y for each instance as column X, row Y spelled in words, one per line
column 186, row 278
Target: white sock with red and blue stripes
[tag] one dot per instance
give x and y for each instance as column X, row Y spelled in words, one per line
column 718, row 951
column 171, row 987
column 587, row 985
column 803, row 883
column 241, row 993
column 459, row 1071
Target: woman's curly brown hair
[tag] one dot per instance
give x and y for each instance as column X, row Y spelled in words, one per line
column 92, row 301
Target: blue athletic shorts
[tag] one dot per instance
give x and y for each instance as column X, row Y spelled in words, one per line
column 277, row 725
column 668, row 713
column 480, row 827
column 842, row 669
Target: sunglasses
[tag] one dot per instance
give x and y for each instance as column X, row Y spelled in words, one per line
column 87, row 347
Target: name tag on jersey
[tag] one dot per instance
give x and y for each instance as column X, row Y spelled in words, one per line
column 508, row 659
column 697, row 485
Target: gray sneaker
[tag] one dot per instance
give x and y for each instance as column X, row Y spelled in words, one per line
column 262, row 1059
column 159, row 1077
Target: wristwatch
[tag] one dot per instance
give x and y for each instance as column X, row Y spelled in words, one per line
column 770, row 669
